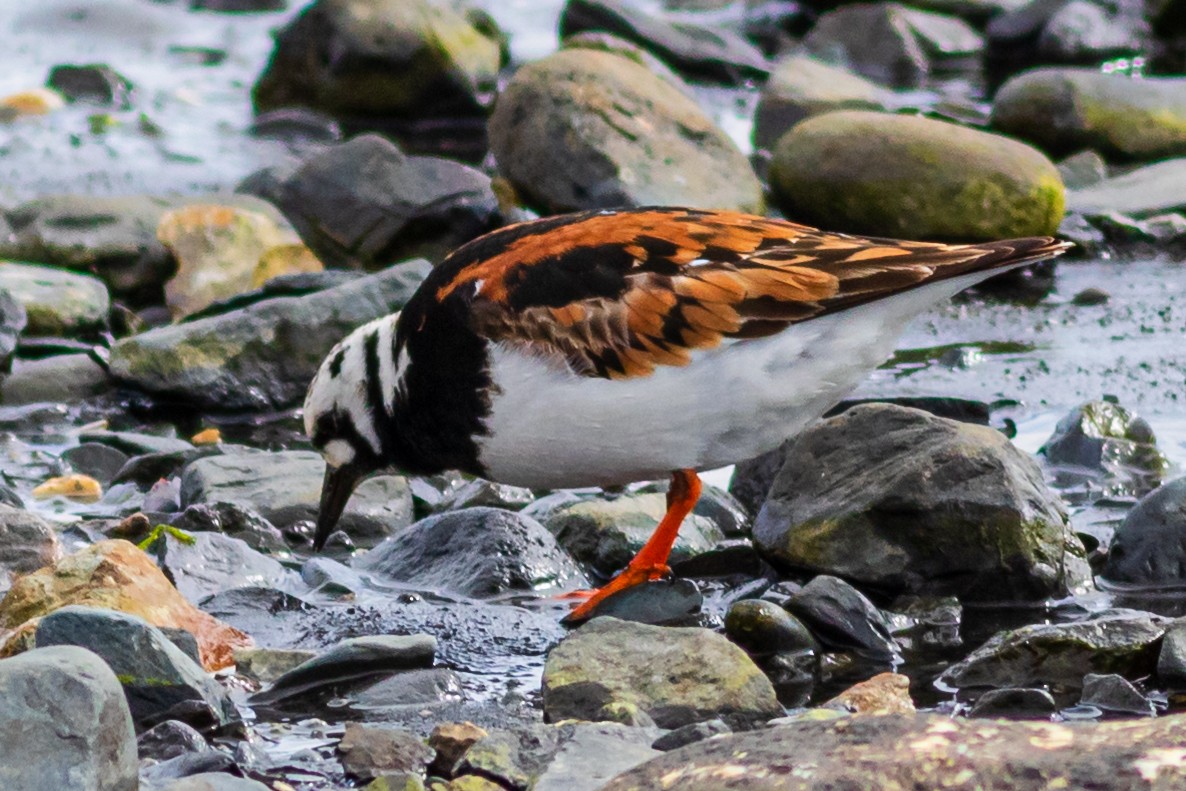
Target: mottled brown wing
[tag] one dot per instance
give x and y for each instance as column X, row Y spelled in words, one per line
column 615, row 294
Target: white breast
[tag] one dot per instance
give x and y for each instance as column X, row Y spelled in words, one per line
column 550, row 428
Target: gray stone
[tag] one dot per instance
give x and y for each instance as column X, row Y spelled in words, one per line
column 265, row 665
column 477, row 552
column 58, row 303
column 285, row 488
column 12, row 320
column 711, row 52
column 209, row 563
column 215, row 781
column 364, row 204
column 27, row 543
column 690, row 734
column 1109, row 440
column 566, row 128
column 64, row 378
column 607, row 533
column 134, row 443
column 1082, row 170
column 665, row 601
column 1066, row 110
column 842, row 617
column 1148, row 550
column 1146, row 191
column 935, row 180
column 1114, row 693
column 1171, row 661
column 924, row 751
column 169, row 740
column 894, row 44
column 1014, row 703
column 263, row 356
column 1114, row 641
column 609, row 662
column 155, row 674
column 64, row 723
column 1082, row 31
column 370, row 751
column 217, row 517
column 101, row 462
column 480, row 492
column 900, row 500
column 419, row 689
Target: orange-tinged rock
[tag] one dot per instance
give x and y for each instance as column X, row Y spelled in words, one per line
column 285, row 259
column 39, row 101
column 82, row 488
column 885, row 693
column 116, row 575
column 207, row 436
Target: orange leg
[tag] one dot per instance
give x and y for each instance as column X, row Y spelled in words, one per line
column 651, row 561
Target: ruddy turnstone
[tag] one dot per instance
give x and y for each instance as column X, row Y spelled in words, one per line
column 607, row 347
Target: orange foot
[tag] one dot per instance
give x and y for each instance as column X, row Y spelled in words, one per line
column 631, row 576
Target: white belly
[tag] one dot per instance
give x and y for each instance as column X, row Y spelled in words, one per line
column 550, row 428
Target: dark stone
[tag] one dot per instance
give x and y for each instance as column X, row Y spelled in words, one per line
column 193, row 771
column 1015, row 703
column 146, row 469
column 841, row 617
column 900, row 501
column 370, row 751
column 293, row 125
column 763, row 628
column 184, row 640
column 1148, row 550
column 156, row 675
column 98, row 83
column 656, row 602
column 364, row 204
column 64, row 723
column 27, row 542
column 477, row 552
column 169, row 740
column 1109, row 440
column 1114, row 693
column 1171, row 661
column 239, row 6
column 736, row 557
column 419, row 689
column 689, row 734
column 12, row 320
column 101, row 462
column 135, row 444
column 707, row 52
column 212, row 562
column 234, row 521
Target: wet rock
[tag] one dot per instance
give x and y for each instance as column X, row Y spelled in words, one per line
column 170, row 739
column 370, row 751
column 1015, row 703
column 655, row 602
column 364, row 204
column 1148, row 550
column 227, row 518
column 763, row 628
column 392, row 58
column 64, row 723
column 801, row 86
column 263, row 356
column 885, row 693
column 606, row 534
column 707, row 52
column 1107, row 439
column 565, row 133
column 211, row 562
column 841, row 617
column 923, row 751
column 729, row 514
column 220, row 252
column 452, row 740
column 422, row 690
column 27, row 543
column 569, row 757
column 1091, row 296
column 690, row 734
column 96, row 83
column 114, row 575
column 476, row 552
column 99, row 461
column 265, row 665
column 1114, row 641
column 1082, row 170
column 12, row 320
column 1143, row 192
column 1115, row 693
column 134, row 443
column 894, row 44
column 65, row 378
column 478, row 492
column 58, row 303
column 1171, row 661
column 939, row 180
column 926, row 505
column 608, row 661
column 349, row 661
column 1066, row 110
column 155, row 674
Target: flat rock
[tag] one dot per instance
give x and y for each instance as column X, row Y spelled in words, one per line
column 566, row 134
column 263, row 356
column 1116, row 694
column 475, row 551
column 936, row 180
column 58, row 303
column 155, row 674
column 64, row 723
column 1067, row 110
column 212, row 562
column 285, row 488
column 1148, row 550
column 609, row 662
column 901, row 500
column 924, row 751
column 1121, row 642
column 1146, row 191
column 114, row 575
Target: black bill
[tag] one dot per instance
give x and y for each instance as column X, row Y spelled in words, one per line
column 336, row 489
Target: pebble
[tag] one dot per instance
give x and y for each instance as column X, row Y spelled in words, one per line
column 842, row 617
column 369, row 752
column 80, row 488
column 1015, row 703
column 1114, row 693
column 170, row 739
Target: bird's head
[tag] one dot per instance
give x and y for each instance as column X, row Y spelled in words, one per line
column 344, row 412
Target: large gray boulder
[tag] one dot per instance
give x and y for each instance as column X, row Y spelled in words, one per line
column 583, row 129
column 64, row 723
column 260, row 357
column 900, row 500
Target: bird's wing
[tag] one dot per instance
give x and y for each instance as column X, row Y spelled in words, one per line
column 615, row 294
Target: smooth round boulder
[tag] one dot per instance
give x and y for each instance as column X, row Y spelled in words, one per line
column 1067, row 110
column 910, row 177
column 1148, row 550
column 583, row 129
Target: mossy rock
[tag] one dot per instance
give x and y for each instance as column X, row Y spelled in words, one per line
column 1067, row 110
column 914, row 178
column 57, row 302
column 585, row 129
